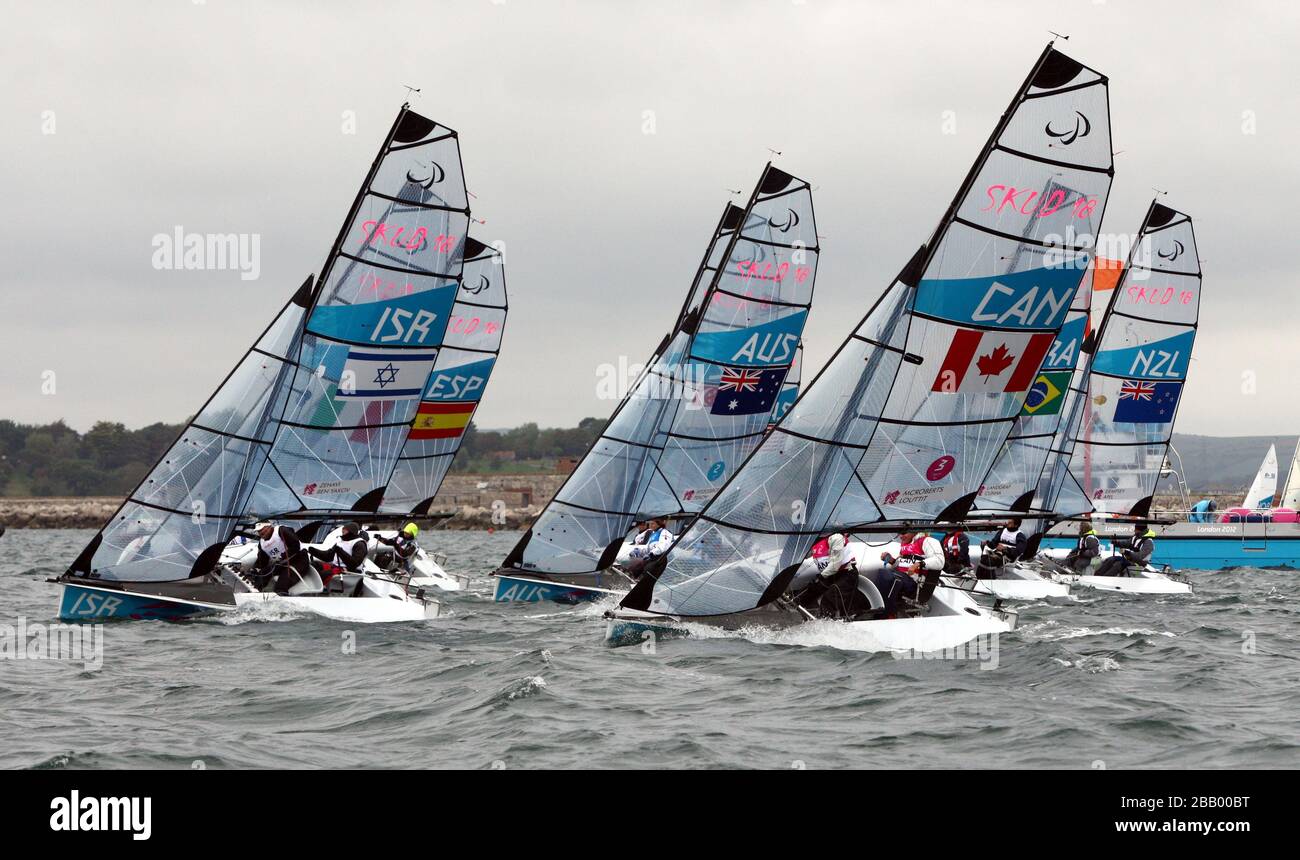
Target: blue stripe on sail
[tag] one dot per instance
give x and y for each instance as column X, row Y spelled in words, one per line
column 1035, row 298
column 419, row 319
column 1163, row 359
column 771, row 343
column 462, row 383
column 1065, row 349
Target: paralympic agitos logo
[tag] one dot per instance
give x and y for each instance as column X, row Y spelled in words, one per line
column 1082, row 128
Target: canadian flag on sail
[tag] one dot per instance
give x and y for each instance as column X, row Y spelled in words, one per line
column 991, row 361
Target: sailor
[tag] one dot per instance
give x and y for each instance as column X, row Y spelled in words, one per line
column 403, row 544
column 657, row 540
column 928, row 563
column 280, row 555
column 1203, row 511
column 893, row 579
column 1002, row 550
column 834, row 591
column 1085, row 550
column 1137, row 554
column 956, row 551
column 347, row 550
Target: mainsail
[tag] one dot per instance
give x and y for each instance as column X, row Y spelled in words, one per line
column 459, row 378
column 1137, row 375
column 906, row 419
column 705, row 398
column 315, row 413
column 1263, row 490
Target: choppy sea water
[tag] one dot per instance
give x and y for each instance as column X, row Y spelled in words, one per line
column 1098, row 680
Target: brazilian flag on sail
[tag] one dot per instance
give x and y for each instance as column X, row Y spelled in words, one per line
column 1047, row 394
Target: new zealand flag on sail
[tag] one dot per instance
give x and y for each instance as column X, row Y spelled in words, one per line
column 746, row 391
column 1142, row 402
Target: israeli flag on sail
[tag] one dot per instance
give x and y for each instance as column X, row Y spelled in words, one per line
column 398, row 374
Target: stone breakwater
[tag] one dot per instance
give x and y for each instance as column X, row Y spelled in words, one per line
column 480, row 502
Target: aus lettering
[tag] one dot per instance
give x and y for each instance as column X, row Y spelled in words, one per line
column 767, row 348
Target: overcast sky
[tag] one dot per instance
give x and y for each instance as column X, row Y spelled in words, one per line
column 229, row 117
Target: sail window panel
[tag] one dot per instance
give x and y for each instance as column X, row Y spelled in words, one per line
column 1015, row 471
column 1045, row 203
column 785, row 218
column 281, row 337
column 143, row 544
column 1071, row 127
column 334, row 468
column 243, row 405
column 792, row 486
column 1144, row 349
column 475, row 328
column 403, row 239
column 969, row 262
column 769, row 273
column 719, row 570
column 1173, row 248
column 374, row 288
column 965, row 376
column 1116, row 477
column 413, row 481
column 569, row 540
column 696, row 469
column 848, row 396
column 202, row 472
column 915, row 472
column 427, row 173
column 1130, row 410
column 1161, row 296
column 610, row 478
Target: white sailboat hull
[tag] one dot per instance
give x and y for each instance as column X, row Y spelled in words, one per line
column 954, row 620
column 356, row 610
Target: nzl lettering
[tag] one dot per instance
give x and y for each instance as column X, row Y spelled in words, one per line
column 1027, row 310
column 1155, row 362
column 401, row 330
column 454, row 386
column 1002, row 196
column 768, row 348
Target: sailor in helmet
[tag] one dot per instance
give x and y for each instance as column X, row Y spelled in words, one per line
column 348, row 549
column 281, row 563
column 403, row 544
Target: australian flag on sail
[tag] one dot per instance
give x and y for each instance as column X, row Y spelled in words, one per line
column 1142, row 402
column 388, row 374
column 747, row 391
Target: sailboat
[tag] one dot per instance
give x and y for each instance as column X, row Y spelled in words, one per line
column 702, row 403
column 1135, row 382
column 1263, row 490
column 900, row 429
column 310, row 424
column 1291, row 490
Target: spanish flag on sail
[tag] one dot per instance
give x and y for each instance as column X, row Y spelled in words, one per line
column 441, row 420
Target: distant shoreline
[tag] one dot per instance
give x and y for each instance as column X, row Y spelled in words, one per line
column 479, row 502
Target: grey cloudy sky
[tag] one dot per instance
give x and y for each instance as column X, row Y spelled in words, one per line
column 227, row 117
